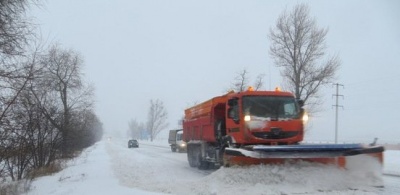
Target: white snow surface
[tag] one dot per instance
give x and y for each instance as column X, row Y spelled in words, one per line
column 109, row 167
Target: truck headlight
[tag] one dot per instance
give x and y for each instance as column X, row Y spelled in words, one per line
column 247, row 118
column 305, row 117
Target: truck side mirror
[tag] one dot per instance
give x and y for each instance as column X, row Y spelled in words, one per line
column 232, row 114
column 233, row 109
column 301, row 112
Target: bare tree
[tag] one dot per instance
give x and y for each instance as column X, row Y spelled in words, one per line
column 259, row 82
column 298, row 47
column 44, row 104
column 15, row 78
column 241, row 81
column 15, row 33
column 27, row 138
column 61, row 91
column 32, row 134
column 135, row 129
column 16, row 64
column 14, row 138
column 157, row 118
column 15, row 28
column 86, row 129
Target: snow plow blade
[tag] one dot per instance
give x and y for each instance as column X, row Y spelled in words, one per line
column 336, row 154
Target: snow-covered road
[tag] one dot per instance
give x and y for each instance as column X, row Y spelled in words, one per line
column 110, row 167
column 152, row 168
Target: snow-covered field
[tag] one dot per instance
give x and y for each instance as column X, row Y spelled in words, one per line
column 109, row 167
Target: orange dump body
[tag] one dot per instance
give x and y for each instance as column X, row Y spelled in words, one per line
column 199, row 120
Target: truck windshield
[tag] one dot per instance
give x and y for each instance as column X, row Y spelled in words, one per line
column 273, row 107
column 179, row 136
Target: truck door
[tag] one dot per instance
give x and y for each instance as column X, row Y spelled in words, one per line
column 233, row 120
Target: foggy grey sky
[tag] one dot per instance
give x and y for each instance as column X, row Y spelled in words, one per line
column 187, row 51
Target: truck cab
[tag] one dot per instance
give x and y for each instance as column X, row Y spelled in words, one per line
column 273, row 118
column 175, row 140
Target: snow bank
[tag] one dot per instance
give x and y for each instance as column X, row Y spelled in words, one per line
column 298, row 178
column 90, row 173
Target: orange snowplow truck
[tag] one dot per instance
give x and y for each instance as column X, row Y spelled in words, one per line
column 253, row 127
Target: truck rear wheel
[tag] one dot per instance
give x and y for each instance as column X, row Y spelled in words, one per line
column 195, row 158
column 173, row 149
column 191, row 154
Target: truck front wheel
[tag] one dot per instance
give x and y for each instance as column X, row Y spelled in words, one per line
column 173, row 148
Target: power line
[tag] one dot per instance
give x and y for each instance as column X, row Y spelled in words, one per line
column 337, row 95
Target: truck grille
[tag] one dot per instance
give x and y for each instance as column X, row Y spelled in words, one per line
column 275, row 134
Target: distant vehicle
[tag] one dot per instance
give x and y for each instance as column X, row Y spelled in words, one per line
column 175, row 140
column 133, row 143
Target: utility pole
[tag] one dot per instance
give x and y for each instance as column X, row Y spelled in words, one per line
column 337, row 110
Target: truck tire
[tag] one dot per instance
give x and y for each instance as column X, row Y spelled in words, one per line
column 195, row 157
column 191, row 156
column 173, row 149
column 200, row 163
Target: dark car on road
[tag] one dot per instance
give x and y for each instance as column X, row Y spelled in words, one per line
column 133, row 143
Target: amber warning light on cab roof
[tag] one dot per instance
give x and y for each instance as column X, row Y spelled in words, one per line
column 277, row 89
